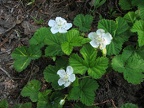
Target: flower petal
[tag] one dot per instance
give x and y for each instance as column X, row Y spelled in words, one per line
column 61, row 73
column 59, row 19
column 61, row 82
column 67, row 84
column 107, row 37
column 51, row 23
column 62, row 30
column 91, row 35
column 100, row 31
column 94, row 44
column 54, row 30
column 68, row 26
column 72, row 78
column 69, row 70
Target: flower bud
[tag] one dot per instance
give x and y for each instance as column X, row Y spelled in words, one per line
column 62, row 102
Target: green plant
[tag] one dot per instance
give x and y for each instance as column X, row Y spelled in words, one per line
column 80, row 60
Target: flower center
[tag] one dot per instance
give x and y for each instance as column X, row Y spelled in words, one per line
column 66, row 77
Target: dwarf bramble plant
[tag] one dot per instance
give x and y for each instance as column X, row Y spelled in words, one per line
column 82, row 57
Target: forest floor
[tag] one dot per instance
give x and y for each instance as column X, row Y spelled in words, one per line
column 18, row 22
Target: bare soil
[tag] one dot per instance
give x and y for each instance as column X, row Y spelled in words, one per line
column 17, row 25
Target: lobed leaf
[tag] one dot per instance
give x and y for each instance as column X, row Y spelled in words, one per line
column 31, row 89
column 39, row 36
column 23, row 55
column 139, row 28
column 50, row 75
column 83, row 22
column 130, row 64
column 73, row 39
column 96, row 67
column 86, row 91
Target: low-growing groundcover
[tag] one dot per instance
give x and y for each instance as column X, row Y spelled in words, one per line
column 81, row 57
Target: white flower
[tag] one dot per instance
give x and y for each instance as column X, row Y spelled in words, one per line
column 100, row 39
column 62, row 102
column 66, row 77
column 59, row 25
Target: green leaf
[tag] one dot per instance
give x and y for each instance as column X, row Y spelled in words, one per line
column 73, row 39
column 125, row 4
column 31, row 89
column 62, row 62
column 96, row 67
column 139, row 28
column 53, row 50
column 67, row 48
column 129, row 105
column 54, row 42
column 78, row 64
column 141, row 12
column 23, row 55
column 108, row 26
column 54, row 100
column 25, row 105
column 130, row 64
column 4, row 103
column 86, row 91
column 118, row 29
column 83, row 22
column 130, row 17
column 39, row 36
column 50, row 75
column 99, row 68
column 98, row 3
column 43, row 99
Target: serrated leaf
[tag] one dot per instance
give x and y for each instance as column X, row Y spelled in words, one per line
column 67, row 48
column 130, row 17
column 125, row 4
column 73, row 39
column 25, row 105
column 62, row 62
column 78, row 64
column 23, row 56
column 53, row 50
column 129, row 105
column 43, row 96
column 55, row 39
column 54, row 99
column 122, row 26
column 141, row 12
column 4, row 103
column 139, row 28
column 96, row 67
column 118, row 29
column 86, row 91
column 99, row 68
column 83, row 22
column 39, row 36
column 50, row 75
column 43, row 99
column 108, row 26
column 130, row 64
column 31, row 89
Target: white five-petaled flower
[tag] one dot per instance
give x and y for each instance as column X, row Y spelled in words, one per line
column 59, row 25
column 100, row 39
column 66, row 77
